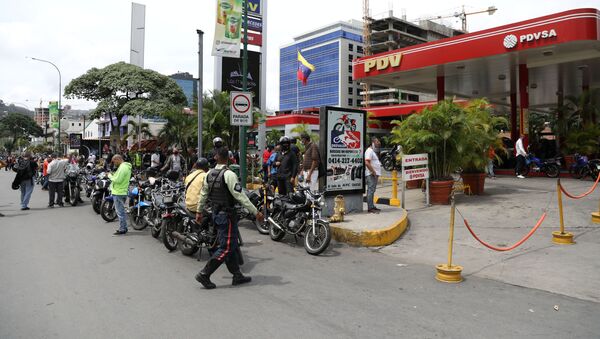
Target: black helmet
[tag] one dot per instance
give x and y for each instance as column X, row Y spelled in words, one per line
column 284, row 140
column 202, row 163
column 217, row 142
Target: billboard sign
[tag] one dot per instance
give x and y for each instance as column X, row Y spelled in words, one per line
column 53, row 111
column 255, row 7
column 254, row 39
column 232, row 75
column 75, row 140
column 344, row 145
column 241, row 109
column 228, row 29
column 254, row 24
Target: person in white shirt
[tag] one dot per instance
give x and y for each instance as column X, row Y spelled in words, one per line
column 521, row 155
column 155, row 159
column 372, row 173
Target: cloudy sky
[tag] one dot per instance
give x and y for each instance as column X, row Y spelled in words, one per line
column 77, row 35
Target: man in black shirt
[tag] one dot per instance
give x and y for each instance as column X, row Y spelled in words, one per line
column 288, row 167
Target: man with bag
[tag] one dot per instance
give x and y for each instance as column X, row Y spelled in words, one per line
column 193, row 184
column 26, row 169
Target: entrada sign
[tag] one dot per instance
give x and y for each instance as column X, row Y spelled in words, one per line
column 392, row 60
column 510, row 41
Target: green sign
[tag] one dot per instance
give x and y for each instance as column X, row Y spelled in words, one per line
column 53, row 110
column 227, row 29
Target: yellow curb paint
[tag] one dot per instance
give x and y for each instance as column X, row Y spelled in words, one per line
column 380, row 237
column 596, row 217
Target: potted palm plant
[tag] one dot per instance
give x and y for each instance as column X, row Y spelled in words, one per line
column 437, row 130
column 480, row 133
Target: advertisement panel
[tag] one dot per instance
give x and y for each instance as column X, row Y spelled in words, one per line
column 254, row 24
column 344, row 145
column 228, row 29
column 53, row 111
column 75, row 140
column 231, row 75
column 255, row 7
column 253, row 39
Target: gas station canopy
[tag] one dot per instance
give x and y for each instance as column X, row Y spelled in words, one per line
column 532, row 64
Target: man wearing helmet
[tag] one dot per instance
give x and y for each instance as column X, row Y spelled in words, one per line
column 217, row 143
column 287, row 167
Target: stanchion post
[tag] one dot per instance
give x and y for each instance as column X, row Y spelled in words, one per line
column 394, row 200
column 596, row 215
column 447, row 272
column 561, row 237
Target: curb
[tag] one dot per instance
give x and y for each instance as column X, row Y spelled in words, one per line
column 383, row 201
column 380, row 237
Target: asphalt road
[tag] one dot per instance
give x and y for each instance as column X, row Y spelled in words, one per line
column 63, row 275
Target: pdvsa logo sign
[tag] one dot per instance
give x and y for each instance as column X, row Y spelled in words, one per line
column 511, row 41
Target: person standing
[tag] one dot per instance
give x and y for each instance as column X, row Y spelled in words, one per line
column 57, row 173
column 490, row 165
column 47, row 161
column 265, row 158
column 174, row 162
column 211, row 156
column 287, row 167
column 193, row 184
column 119, row 186
column 155, row 160
column 372, row 173
column 521, row 156
column 310, row 163
column 222, row 189
column 26, row 169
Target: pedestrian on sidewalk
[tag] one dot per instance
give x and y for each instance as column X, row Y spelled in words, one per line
column 288, row 167
column 47, row 162
column 57, row 173
column 26, row 169
column 119, row 187
column 521, row 156
column 372, row 173
column 490, row 164
column 175, row 162
column 310, row 162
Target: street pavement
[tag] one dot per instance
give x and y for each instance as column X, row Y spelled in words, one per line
column 63, row 275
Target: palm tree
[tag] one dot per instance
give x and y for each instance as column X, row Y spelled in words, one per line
column 215, row 118
column 180, row 129
column 273, row 136
column 136, row 131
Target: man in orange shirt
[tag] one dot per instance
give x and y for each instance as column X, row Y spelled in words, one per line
column 45, row 172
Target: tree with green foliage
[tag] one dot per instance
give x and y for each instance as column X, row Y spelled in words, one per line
column 18, row 128
column 180, row 130
column 123, row 89
column 273, row 136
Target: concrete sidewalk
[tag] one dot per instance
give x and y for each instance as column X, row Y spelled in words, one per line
column 506, row 212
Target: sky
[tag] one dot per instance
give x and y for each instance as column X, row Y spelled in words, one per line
column 78, row 35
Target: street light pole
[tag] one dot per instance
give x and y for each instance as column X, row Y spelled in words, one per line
column 59, row 96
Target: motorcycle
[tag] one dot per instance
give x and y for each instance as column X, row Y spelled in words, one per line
column 107, row 209
column 139, row 206
column 577, row 169
column 163, row 199
column 345, row 123
column 299, row 213
column 100, row 191
column 592, row 169
column 390, row 160
column 550, row 167
column 256, row 199
column 71, row 186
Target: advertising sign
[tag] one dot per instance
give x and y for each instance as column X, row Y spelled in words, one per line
column 228, row 29
column 344, row 146
column 253, row 39
column 254, row 24
column 414, row 167
column 241, row 109
column 75, row 140
column 53, row 111
column 231, row 75
column 255, row 7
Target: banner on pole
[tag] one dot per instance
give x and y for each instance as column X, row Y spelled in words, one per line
column 53, row 111
column 228, row 29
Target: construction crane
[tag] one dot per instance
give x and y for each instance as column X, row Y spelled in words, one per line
column 366, row 46
column 461, row 15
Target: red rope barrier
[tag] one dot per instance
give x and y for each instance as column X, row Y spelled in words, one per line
column 582, row 195
column 502, row 249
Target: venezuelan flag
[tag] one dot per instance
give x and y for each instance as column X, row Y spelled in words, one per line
column 304, row 69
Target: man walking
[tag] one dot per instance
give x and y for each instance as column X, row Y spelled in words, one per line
column 26, row 169
column 222, row 189
column 372, row 173
column 56, row 176
column 521, row 155
column 310, row 163
column 119, row 186
column 45, row 164
column 288, row 167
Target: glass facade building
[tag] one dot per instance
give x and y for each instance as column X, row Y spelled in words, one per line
column 331, row 50
column 188, row 84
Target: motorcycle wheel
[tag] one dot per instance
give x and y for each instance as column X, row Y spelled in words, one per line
column 138, row 222
column 96, row 204
column 261, row 227
column 388, row 164
column 107, row 211
column 73, row 195
column 155, row 231
column 316, row 243
column 576, row 171
column 170, row 242
column 275, row 233
column 552, row 171
column 187, row 249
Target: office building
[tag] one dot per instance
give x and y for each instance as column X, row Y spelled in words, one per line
column 188, row 84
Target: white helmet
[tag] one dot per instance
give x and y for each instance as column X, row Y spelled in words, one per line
column 217, row 140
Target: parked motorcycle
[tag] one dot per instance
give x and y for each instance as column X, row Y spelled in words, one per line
column 71, row 186
column 299, row 213
column 390, row 160
column 550, row 167
column 139, row 205
column 100, row 191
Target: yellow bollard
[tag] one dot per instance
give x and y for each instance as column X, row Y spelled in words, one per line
column 394, row 200
column 596, row 215
column 561, row 237
column 447, row 272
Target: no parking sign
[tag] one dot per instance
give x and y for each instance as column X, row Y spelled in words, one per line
column 241, row 109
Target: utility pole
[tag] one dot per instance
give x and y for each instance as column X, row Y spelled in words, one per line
column 243, row 174
column 200, row 90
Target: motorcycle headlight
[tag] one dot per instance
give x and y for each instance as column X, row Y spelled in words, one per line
column 321, row 203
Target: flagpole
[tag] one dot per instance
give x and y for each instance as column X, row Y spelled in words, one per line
column 297, row 91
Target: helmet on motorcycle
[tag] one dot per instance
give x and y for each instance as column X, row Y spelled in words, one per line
column 298, row 197
column 217, row 142
column 202, row 163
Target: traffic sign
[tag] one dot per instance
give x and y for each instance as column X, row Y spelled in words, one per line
column 241, row 109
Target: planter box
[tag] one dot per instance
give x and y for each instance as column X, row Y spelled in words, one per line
column 414, row 184
column 439, row 192
column 475, row 181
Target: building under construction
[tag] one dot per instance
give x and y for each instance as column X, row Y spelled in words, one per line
column 389, row 33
